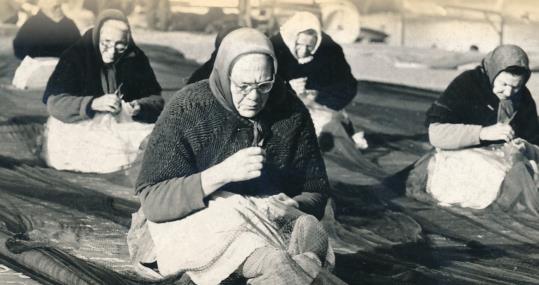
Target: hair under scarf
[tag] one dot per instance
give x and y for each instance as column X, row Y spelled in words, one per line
column 238, row 43
column 300, row 22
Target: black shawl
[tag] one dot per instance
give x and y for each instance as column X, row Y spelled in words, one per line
column 469, row 100
column 328, row 72
column 78, row 73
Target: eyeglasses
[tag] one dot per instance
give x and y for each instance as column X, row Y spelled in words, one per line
column 108, row 45
column 246, row 88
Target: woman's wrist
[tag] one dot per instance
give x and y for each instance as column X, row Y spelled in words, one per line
column 212, row 179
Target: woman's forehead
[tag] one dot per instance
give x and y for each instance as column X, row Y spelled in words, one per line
column 305, row 37
column 509, row 79
column 251, row 66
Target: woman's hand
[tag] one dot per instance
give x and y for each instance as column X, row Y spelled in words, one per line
column 244, row 165
column 132, row 108
column 520, row 144
column 107, row 103
column 284, row 199
column 283, row 206
column 298, row 85
column 503, row 132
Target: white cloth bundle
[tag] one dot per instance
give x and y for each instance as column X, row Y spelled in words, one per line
column 104, row 144
column 34, row 72
column 211, row 244
column 468, row 178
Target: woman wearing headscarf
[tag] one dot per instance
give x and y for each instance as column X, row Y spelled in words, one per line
column 100, row 82
column 314, row 66
column 232, row 178
column 485, row 130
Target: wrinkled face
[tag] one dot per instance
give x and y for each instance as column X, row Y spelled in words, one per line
column 52, row 8
column 251, row 79
column 113, row 40
column 305, row 44
column 506, row 84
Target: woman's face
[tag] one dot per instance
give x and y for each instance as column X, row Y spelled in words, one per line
column 506, row 84
column 305, row 44
column 251, row 81
column 52, row 8
column 113, row 40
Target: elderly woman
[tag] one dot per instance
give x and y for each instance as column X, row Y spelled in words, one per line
column 102, row 97
column 232, row 178
column 484, row 128
column 315, row 67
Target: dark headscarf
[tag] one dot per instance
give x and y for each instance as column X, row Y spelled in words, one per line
column 108, row 74
column 505, row 56
column 107, row 15
column 498, row 60
column 238, row 43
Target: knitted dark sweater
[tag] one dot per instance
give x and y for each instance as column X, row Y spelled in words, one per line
column 469, row 100
column 195, row 132
column 328, row 72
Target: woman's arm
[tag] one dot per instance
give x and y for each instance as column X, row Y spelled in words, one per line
column 172, row 199
column 69, row 109
column 454, row 136
column 168, row 184
column 62, row 94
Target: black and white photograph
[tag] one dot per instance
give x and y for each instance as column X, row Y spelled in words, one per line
column 269, row 142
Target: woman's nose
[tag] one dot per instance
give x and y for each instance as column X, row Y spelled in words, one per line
column 508, row 91
column 253, row 94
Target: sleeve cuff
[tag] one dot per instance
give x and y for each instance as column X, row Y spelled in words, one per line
column 86, row 111
column 195, row 181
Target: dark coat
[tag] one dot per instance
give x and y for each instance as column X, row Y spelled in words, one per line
column 204, row 71
column 78, row 74
column 195, row 132
column 40, row 36
column 469, row 100
column 328, row 72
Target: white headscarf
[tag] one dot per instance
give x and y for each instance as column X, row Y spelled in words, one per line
column 300, row 22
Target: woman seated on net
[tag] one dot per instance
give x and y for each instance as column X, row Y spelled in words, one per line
column 485, row 130
column 232, row 179
column 103, row 99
